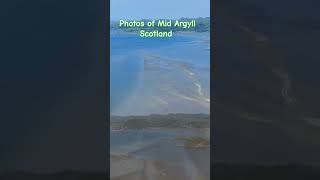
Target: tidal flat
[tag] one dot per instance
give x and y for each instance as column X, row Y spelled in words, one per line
column 160, row 150
column 160, row 104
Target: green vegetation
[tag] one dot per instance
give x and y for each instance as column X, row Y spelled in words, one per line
column 161, row 121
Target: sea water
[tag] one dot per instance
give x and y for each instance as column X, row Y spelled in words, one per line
column 127, row 65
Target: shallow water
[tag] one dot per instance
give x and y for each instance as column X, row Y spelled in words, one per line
column 149, row 153
column 159, row 76
column 130, row 78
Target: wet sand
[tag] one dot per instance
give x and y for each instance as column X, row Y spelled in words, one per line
column 166, row 158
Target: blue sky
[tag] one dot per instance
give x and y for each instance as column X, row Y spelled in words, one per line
column 158, row 9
